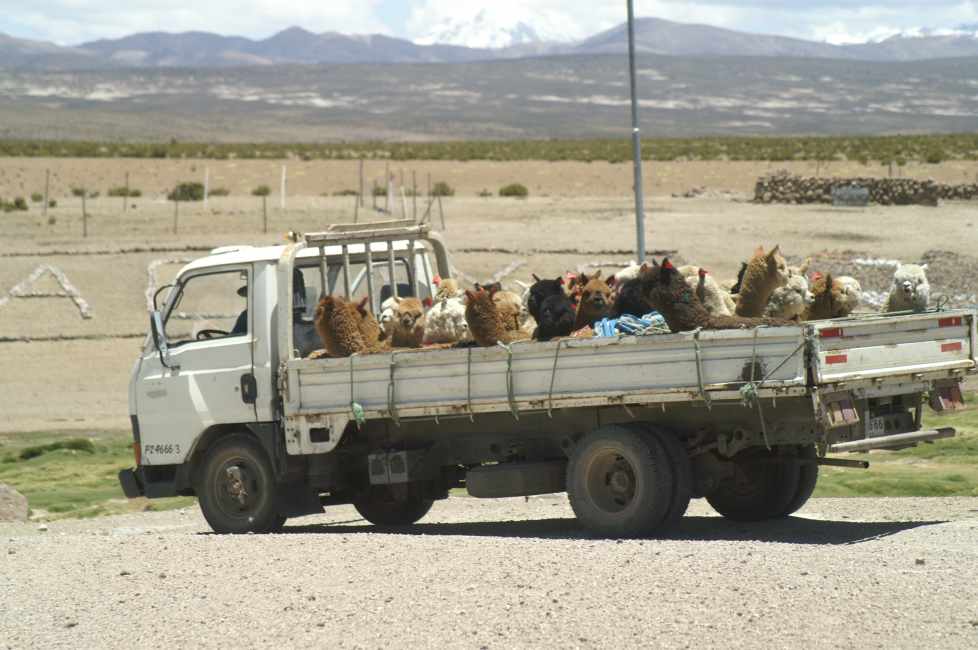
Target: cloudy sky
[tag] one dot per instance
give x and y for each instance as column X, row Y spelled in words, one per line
column 75, row 21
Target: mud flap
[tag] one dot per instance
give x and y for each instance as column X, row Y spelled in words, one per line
column 946, row 396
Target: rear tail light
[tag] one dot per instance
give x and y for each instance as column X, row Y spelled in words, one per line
column 830, row 333
column 953, row 321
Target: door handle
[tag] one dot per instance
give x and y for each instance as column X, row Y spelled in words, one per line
column 249, row 388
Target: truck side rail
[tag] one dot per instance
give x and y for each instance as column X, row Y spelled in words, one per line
column 325, row 395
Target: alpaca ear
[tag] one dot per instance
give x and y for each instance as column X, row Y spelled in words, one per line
column 534, row 276
column 774, row 252
column 469, row 295
column 645, row 267
column 560, row 280
column 612, row 281
column 361, row 306
column 493, row 290
column 436, row 280
column 702, row 272
column 582, row 278
column 398, row 300
column 597, row 275
column 803, row 269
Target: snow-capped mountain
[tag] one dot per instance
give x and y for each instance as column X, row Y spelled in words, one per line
column 497, row 29
column 961, row 31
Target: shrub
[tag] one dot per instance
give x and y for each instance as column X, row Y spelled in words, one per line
column 187, row 192
column 514, row 190
column 220, row 191
column 52, row 203
column 485, row 194
column 72, row 444
column 78, row 192
column 346, row 192
column 380, row 190
column 441, row 188
column 37, row 197
column 261, row 190
column 131, row 192
column 20, row 203
column 934, row 157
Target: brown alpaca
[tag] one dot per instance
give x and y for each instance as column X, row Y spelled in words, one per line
column 683, row 311
column 597, row 300
column 373, row 336
column 338, row 325
column 764, row 273
column 486, row 324
column 829, row 300
column 409, row 321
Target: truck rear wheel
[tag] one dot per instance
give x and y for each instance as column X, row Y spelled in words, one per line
column 763, row 486
column 807, row 478
column 620, row 482
column 682, row 483
column 381, row 507
column 237, row 490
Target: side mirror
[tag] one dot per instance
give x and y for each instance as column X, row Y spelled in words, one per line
column 159, row 337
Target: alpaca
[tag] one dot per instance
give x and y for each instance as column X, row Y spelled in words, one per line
column 765, row 272
column 630, row 298
column 556, row 318
column 852, row 292
column 407, row 326
column 683, row 311
column 447, row 288
column 910, row 290
column 790, row 301
column 735, row 287
column 338, row 324
column 445, row 321
column 595, row 302
column 539, row 291
column 828, row 300
column 510, row 307
column 485, row 323
column 717, row 301
column 373, row 336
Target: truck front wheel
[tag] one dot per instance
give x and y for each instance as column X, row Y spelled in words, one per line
column 381, row 506
column 764, row 485
column 236, row 489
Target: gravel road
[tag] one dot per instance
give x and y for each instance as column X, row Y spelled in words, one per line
column 509, row 573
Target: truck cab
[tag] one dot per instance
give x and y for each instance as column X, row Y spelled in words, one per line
column 209, row 368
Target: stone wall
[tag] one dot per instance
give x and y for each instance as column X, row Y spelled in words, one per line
column 785, row 188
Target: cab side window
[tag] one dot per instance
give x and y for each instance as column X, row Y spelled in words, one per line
column 209, row 306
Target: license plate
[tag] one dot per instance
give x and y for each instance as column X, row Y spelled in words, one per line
column 875, row 427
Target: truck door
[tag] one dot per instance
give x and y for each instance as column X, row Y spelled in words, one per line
column 210, row 379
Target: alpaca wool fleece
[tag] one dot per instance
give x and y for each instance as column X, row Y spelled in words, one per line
column 338, row 325
column 828, row 301
column 408, row 323
column 684, row 312
column 595, row 300
column 486, row 324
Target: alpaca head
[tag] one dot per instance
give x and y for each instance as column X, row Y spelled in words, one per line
column 911, row 281
column 776, row 265
column 408, row 312
column 595, row 292
column 540, row 290
column 828, row 301
column 675, row 299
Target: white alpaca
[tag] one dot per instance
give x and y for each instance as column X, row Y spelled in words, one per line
column 790, row 301
column 717, row 301
column 852, row 292
column 910, row 290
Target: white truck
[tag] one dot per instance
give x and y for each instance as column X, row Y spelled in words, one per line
column 225, row 405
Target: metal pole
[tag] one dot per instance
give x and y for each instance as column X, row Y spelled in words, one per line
column 414, row 195
column 360, row 202
column 636, row 142
column 176, row 216
column 84, row 214
column 264, row 214
column 282, row 201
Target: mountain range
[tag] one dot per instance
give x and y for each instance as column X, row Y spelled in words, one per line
column 459, row 42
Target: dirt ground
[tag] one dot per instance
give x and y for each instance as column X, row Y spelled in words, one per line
column 501, row 573
column 578, row 214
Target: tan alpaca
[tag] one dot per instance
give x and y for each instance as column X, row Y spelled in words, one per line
column 765, row 272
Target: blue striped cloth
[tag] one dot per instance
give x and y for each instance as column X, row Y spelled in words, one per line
column 627, row 324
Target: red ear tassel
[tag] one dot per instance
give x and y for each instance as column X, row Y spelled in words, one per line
column 561, row 280
column 703, row 272
column 436, row 280
column 426, row 302
column 668, row 265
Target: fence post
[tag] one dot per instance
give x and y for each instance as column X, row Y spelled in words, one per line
column 282, row 201
column 47, row 187
column 207, row 185
column 125, row 199
column 176, row 215
column 387, row 187
column 264, row 214
column 360, row 201
column 84, row 213
column 441, row 211
column 414, row 195
column 356, row 209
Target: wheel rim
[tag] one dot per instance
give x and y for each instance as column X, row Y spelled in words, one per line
column 238, row 489
column 610, row 480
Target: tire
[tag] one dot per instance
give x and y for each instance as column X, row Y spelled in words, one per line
column 762, row 488
column 807, row 479
column 620, row 482
column 237, row 490
column 682, row 482
column 379, row 506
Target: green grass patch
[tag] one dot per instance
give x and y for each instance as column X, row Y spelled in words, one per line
column 944, row 468
column 65, row 475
